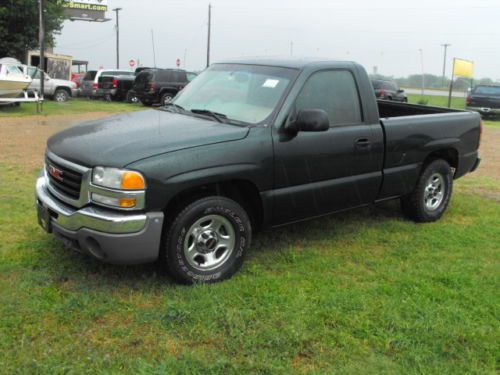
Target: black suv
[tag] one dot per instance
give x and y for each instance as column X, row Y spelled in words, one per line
column 389, row 90
column 153, row 86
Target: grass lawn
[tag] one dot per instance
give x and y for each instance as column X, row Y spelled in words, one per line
column 71, row 107
column 361, row 292
column 437, row 101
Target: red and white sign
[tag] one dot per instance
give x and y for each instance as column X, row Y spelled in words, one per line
column 132, row 63
column 178, row 62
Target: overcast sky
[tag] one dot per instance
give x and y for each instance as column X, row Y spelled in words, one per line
column 383, row 33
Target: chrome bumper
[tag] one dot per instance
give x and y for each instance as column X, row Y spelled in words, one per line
column 99, row 219
column 126, row 238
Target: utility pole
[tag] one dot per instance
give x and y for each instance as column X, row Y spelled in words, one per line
column 209, row 30
column 117, row 10
column 445, row 45
column 422, row 66
column 153, row 41
column 41, row 36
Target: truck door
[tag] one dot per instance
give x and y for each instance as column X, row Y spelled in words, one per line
column 321, row 172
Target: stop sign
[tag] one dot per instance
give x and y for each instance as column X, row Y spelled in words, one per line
column 131, row 63
column 178, row 62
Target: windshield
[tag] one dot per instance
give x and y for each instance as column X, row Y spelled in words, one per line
column 247, row 93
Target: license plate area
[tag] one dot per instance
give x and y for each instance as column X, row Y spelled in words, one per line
column 44, row 218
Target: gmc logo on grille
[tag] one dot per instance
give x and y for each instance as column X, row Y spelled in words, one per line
column 55, row 172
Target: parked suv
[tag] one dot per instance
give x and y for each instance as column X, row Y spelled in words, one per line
column 61, row 90
column 389, row 90
column 484, row 99
column 91, row 80
column 155, row 86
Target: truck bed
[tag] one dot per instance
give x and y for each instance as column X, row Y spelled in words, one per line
column 395, row 109
column 412, row 132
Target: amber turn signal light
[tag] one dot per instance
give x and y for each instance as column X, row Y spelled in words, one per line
column 132, row 181
column 127, row 202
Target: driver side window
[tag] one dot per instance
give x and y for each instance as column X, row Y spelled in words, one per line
column 335, row 92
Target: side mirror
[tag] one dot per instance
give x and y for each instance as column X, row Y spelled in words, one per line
column 47, row 78
column 309, row 120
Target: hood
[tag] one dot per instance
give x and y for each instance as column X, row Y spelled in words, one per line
column 120, row 140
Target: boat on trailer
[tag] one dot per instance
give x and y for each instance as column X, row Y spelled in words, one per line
column 14, row 79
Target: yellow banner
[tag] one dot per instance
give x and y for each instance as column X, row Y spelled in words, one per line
column 463, row 68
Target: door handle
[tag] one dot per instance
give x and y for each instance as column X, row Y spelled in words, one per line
column 363, row 143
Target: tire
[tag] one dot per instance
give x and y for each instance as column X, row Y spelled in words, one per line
column 131, row 98
column 194, row 248
column 61, row 95
column 166, row 98
column 431, row 197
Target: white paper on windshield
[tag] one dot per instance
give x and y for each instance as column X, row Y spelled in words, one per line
column 272, row 83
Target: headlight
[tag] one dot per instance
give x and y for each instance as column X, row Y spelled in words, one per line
column 119, row 179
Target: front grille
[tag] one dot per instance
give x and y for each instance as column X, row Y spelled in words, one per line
column 63, row 179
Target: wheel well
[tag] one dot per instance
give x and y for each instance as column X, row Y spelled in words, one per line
column 167, row 91
column 63, row 88
column 448, row 154
column 243, row 192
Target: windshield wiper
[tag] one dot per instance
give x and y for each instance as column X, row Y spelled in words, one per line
column 173, row 105
column 219, row 117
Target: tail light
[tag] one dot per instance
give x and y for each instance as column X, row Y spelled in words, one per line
column 115, row 83
column 468, row 100
column 382, row 93
column 95, row 86
column 152, row 87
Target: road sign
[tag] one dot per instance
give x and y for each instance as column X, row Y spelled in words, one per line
column 178, row 62
column 132, row 63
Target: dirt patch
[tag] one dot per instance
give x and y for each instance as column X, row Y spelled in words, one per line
column 23, row 139
column 490, row 154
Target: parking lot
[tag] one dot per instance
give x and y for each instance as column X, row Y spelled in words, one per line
column 367, row 291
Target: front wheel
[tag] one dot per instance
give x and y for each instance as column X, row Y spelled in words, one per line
column 166, row 98
column 207, row 241
column 431, row 197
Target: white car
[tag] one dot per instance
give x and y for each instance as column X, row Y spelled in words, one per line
column 61, row 90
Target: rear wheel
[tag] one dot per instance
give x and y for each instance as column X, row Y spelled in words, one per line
column 131, row 98
column 431, row 197
column 61, row 95
column 207, row 241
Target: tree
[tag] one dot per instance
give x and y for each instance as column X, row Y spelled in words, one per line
column 19, row 26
